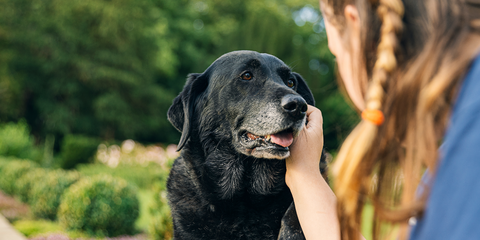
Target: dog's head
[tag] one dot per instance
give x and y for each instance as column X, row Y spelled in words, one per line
column 253, row 100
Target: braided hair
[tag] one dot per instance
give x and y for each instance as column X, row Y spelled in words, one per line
column 348, row 163
column 423, row 49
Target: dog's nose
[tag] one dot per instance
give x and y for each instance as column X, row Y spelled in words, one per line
column 294, row 105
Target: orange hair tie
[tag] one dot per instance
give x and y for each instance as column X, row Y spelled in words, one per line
column 374, row 116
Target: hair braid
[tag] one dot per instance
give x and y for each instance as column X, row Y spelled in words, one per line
column 348, row 185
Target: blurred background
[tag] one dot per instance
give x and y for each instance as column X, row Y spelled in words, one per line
column 85, row 86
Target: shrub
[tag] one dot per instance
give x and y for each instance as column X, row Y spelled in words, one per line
column 46, row 194
column 100, row 205
column 77, row 149
column 12, row 171
column 161, row 226
column 15, row 141
column 3, row 162
column 25, row 183
column 142, row 177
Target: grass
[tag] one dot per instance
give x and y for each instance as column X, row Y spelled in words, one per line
column 31, row 228
column 35, row 227
column 367, row 221
column 145, row 197
column 44, row 230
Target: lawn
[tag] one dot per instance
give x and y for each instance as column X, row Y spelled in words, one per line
column 146, row 198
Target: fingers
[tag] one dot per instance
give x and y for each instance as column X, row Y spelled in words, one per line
column 314, row 117
column 306, row 151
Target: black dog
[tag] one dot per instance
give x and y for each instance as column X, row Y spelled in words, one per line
column 237, row 119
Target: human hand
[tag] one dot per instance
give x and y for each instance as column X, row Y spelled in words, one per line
column 306, row 150
column 315, row 202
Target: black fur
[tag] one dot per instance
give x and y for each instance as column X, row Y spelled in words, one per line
column 224, row 185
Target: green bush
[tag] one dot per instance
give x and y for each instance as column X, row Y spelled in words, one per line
column 3, row 162
column 161, row 225
column 15, row 140
column 46, row 194
column 12, row 171
column 142, row 177
column 77, row 149
column 100, row 205
column 25, row 183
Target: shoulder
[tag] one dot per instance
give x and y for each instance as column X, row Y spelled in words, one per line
column 463, row 133
column 469, row 95
column 453, row 207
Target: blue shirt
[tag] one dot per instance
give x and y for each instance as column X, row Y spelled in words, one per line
column 453, row 206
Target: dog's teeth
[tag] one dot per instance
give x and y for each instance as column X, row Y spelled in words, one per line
column 268, row 137
column 252, row 136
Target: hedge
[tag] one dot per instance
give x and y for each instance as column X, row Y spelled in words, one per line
column 77, row 149
column 100, row 205
column 46, row 194
column 25, row 184
column 13, row 170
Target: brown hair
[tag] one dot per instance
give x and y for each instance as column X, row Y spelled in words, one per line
column 423, row 49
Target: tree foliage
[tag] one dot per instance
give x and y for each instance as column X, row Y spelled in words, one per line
column 110, row 68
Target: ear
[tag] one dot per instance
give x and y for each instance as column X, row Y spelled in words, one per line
column 181, row 113
column 303, row 90
column 175, row 113
column 352, row 18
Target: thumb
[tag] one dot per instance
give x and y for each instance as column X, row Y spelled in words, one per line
column 314, row 118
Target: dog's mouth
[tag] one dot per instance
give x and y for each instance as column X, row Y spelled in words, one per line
column 274, row 145
column 282, row 139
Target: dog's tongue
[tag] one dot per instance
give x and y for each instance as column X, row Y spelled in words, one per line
column 284, row 139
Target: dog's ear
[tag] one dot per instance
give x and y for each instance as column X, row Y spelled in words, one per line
column 181, row 112
column 303, row 90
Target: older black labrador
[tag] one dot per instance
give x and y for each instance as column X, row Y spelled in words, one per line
column 237, row 119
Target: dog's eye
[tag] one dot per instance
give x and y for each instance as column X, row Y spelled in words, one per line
column 247, row 76
column 290, row 83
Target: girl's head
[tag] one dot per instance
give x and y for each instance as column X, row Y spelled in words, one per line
column 346, row 46
column 405, row 59
column 354, row 31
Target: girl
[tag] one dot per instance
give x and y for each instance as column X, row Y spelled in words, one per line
column 412, row 68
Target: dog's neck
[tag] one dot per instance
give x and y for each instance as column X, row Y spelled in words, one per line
column 228, row 180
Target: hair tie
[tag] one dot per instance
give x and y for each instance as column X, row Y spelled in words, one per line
column 374, row 116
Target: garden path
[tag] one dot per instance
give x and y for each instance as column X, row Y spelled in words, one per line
column 7, row 232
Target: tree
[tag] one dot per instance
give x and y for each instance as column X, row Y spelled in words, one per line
column 110, row 68
column 292, row 30
column 84, row 66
